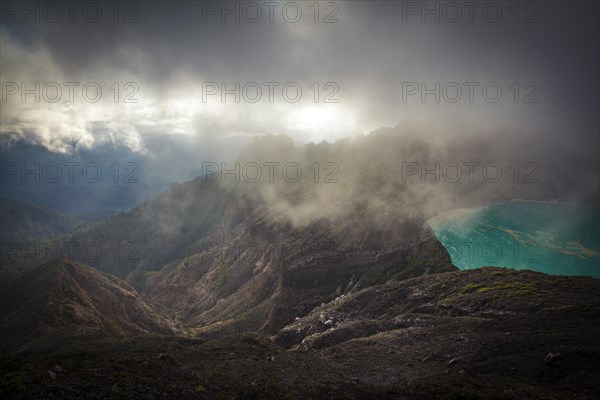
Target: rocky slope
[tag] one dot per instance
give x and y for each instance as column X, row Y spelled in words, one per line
column 479, row 334
column 62, row 299
column 24, row 227
column 488, row 324
column 258, row 272
column 134, row 243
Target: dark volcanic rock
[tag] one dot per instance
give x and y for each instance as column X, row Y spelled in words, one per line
column 479, row 334
column 489, row 321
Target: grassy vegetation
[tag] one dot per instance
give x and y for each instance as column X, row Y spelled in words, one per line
column 197, row 245
column 469, row 287
column 515, row 286
column 148, row 274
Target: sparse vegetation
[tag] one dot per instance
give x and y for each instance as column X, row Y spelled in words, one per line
column 515, row 286
column 560, row 308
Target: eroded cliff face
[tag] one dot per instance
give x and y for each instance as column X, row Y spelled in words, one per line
column 259, row 271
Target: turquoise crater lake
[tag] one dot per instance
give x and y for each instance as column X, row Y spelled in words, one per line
column 554, row 238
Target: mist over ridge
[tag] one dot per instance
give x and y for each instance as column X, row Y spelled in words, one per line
column 299, row 200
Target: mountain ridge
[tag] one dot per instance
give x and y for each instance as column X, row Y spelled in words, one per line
column 63, row 298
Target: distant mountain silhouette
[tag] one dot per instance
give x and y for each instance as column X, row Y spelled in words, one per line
column 26, row 223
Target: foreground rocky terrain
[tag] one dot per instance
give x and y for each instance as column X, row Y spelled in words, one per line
column 62, row 299
column 489, row 333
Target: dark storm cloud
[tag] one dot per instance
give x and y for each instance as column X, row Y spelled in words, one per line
column 549, row 49
column 370, row 52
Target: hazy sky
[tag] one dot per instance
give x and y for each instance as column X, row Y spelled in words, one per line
column 186, row 81
column 368, row 61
